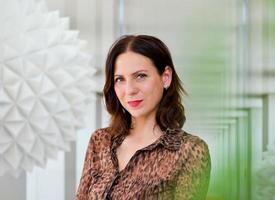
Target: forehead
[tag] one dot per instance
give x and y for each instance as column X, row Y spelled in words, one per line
column 130, row 62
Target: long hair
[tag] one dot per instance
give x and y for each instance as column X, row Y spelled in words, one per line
column 170, row 113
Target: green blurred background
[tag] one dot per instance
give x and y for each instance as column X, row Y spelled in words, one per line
column 224, row 51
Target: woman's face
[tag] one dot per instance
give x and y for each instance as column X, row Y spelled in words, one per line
column 138, row 85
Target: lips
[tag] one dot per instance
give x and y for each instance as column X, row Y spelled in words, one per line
column 135, row 103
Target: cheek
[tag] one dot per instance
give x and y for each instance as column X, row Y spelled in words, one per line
column 118, row 92
column 154, row 91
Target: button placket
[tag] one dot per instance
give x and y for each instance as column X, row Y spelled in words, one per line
column 109, row 188
column 118, row 174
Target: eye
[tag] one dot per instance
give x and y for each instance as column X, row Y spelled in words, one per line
column 141, row 76
column 118, row 79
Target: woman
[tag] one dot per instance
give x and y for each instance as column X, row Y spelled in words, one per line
column 144, row 154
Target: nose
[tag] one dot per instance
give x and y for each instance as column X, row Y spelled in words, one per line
column 131, row 88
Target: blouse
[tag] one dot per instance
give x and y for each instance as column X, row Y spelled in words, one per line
column 175, row 167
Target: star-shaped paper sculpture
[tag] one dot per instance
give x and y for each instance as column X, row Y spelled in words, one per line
column 45, row 84
column 266, row 175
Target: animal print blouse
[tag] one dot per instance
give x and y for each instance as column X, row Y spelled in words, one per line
column 176, row 166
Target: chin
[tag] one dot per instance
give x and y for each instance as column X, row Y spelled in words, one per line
column 139, row 114
column 136, row 113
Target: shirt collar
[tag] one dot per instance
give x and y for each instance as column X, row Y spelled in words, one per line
column 171, row 140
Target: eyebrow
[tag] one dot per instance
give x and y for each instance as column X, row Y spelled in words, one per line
column 143, row 70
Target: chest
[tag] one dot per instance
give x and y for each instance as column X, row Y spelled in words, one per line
column 127, row 152
column 148, row 172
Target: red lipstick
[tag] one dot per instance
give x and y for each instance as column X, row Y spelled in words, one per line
column 135, row 103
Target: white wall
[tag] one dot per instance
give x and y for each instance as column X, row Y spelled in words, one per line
column 48, row 183
column 12, row 188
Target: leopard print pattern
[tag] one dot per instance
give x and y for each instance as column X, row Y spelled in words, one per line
column 175, row 167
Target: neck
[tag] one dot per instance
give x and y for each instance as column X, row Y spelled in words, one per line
column 145, row 128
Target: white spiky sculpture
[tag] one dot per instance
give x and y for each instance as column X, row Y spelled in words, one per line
column 266, row 175
column 45, row 84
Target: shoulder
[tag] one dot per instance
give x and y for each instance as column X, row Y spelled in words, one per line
column 100, row 138
column 192, row 141
column 178, row 139
column 194, row 147
column 101, row 134
column 194, row 168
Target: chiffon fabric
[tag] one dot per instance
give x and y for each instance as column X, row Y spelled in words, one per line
column 175, row 167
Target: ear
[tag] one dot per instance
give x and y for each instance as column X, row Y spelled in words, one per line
column 167, row 76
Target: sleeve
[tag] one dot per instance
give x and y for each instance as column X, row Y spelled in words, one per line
column 83, row 188
column 194, row 176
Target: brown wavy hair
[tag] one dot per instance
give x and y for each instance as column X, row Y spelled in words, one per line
column 170, row 113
